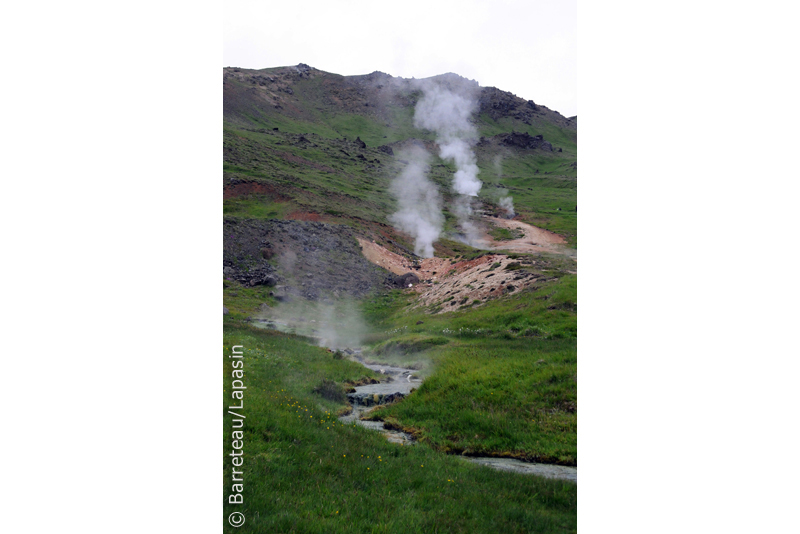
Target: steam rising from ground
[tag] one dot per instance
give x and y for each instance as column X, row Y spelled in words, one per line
column 419, row 204
column 335, row 324
column 447, row 112
column 507, row 204
column 505, row 201
column 446, row 107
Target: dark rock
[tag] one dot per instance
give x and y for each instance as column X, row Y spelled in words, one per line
column 406, row 279
column 275, row 130
column 333, row 260
column 559, row 149
column 386, row 149
column 525, row 140
column 373, row 399
column 360, row 143
column 262, row 280
column 419, row 322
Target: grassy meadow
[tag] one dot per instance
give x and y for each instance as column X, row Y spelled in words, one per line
column 304, row 471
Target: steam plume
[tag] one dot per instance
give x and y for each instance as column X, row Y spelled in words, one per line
column 419, row 204
column 448, row 114
column 335, row 324
column 507, row 204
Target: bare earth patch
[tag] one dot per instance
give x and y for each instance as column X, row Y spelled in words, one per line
column 384, row 258
column 452, row 285
column 534, row 239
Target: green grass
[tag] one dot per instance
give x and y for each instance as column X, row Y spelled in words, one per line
column 504, row 384
column 497, row 397
column 504, row 234
column 324, row 179
column 255, row 207
column 547, row 310
column 304, row 471
column 243, row 301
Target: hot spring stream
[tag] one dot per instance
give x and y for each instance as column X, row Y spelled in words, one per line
column 401, row 381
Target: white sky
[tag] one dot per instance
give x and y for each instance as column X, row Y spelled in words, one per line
column 526, row 47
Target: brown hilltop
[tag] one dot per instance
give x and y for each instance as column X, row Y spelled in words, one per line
column 289, row 91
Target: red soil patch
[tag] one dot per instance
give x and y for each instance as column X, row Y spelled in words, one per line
column 305, row 216
column 250, row 188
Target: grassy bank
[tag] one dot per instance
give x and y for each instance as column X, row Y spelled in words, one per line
column 501, row 378
column 497, row 397
column 305, row 472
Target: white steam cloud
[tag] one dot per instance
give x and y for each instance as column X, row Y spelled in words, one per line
column 448, row 113
column 419, row 211
column 446, row 107
column 505, row 201
column 507, row 204
column 335, row 324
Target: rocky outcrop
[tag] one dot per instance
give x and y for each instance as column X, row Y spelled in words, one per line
column 310, row 260
column 386, row 149
column 498, row 104
column 407, row 280
column 525, row 140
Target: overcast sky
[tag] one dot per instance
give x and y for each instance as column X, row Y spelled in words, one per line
column 526, row 47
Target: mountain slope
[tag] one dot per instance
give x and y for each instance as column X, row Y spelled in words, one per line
column 303, row 143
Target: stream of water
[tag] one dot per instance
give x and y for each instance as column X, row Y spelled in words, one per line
column 402, row 381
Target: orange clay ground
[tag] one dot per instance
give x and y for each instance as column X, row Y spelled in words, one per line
column 451, row 283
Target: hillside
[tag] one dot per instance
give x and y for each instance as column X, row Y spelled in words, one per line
column 429, row 225
column 318, row 146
